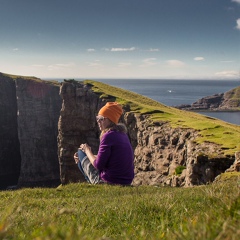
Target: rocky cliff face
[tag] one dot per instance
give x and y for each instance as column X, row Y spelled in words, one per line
column 10, row 159
column 77, row 124
column 39, row 106
column 30, row 111
column 160, row 150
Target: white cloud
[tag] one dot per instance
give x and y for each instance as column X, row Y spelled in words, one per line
column 91, row 50
column 153, row 50
column 148, row 62
column 65, row 65
column 37, row 65
column 237, row 1
column 95, row 64
column 227, row 74
column 15, row 49
column 238, row 24
column 199, row 59
column 124, row 64
column 60, row 66
column 175, row 63
column 122, row 49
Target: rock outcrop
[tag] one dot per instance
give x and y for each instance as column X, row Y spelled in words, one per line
column 160, row 150
column 228, row 101
column 77, row 124
column 39, row 107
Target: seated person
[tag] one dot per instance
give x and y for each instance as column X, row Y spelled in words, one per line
column 114, row 162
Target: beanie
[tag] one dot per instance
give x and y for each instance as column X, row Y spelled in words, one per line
column 112, row 111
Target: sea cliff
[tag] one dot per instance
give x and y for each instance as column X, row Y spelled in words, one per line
column 42, row 124
column 30, row 111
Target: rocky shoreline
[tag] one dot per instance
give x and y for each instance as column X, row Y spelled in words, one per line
column 222, row 102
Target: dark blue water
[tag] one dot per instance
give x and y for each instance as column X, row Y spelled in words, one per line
column 177, row 92
column 231, row 117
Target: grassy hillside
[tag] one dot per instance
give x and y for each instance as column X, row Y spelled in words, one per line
column 82, row 211
column 233, row 98
column 14, row 77
column 211, row 129
column 17, row 76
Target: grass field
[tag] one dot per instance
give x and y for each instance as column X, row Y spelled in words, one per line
column 82, row 211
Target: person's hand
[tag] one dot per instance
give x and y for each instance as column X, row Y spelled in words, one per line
column 87, row 150
column 76, row 159
column 85, row 147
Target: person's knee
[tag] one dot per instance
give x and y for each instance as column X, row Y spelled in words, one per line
column 81, row 155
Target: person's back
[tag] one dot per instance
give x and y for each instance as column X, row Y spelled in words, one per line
column 115, row 158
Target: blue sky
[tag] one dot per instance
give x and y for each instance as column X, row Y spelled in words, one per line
column 175, row 39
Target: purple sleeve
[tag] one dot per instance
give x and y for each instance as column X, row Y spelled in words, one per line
column 103, row 153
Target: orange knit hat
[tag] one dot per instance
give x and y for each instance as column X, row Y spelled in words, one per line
column 111, row 110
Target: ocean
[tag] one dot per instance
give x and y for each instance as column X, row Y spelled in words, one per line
column 177, row 92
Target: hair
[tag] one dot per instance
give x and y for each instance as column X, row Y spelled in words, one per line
column 120, row 127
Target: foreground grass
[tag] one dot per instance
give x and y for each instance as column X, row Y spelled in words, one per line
column 82, row 211
column 210, row 129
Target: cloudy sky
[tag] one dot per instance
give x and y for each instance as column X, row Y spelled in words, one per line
column 192, row 39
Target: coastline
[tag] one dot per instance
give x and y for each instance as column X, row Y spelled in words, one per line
column 213, row 110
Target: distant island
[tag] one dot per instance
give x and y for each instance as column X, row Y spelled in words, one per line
column 228, row 101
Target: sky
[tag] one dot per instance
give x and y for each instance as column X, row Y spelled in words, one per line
column 90, row 39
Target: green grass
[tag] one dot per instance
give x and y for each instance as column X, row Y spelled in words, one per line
column 82, row 211
column 14, row 77
column 31, row 78
column 211, row 130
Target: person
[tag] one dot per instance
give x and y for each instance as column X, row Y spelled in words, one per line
column 113, row 163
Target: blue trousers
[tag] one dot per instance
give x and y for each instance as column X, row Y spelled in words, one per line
column 90, row 173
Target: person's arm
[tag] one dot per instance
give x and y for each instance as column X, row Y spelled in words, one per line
column 104, row 152
column 87, row 149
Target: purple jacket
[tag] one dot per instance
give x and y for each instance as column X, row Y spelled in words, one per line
column 115, row 158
